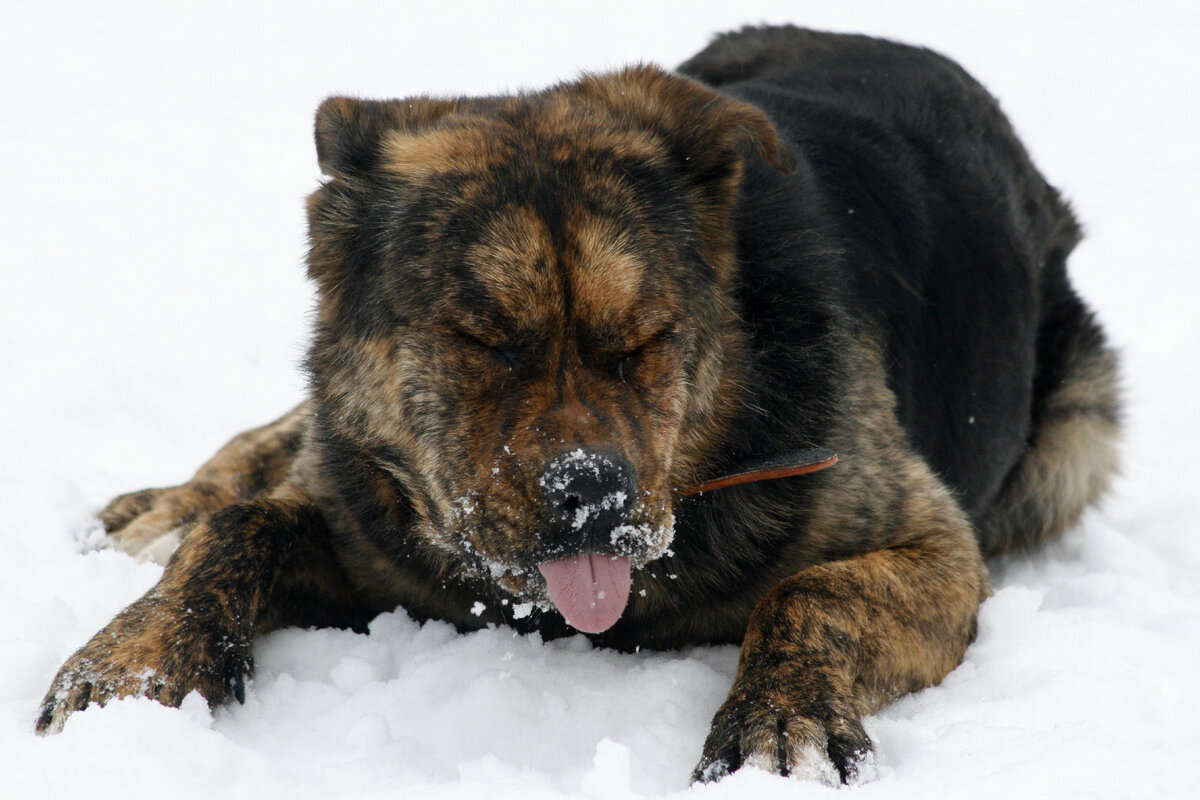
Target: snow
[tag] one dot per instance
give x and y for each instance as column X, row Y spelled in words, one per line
column 156, row 157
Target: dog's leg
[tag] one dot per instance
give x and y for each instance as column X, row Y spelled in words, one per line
column 149, row 524
column 832, row 643
column 249, row 567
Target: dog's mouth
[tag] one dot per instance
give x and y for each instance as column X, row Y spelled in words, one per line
column 575, row 546
column 590, row 587
column 590, row 590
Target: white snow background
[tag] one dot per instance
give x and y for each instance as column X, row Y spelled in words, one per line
column 154, row 159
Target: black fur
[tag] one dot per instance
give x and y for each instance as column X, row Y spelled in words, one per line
column 938, row 227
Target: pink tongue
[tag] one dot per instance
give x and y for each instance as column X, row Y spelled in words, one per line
column 589, row 590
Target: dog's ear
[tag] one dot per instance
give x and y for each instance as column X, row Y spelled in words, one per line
column 706, row 133
column 705, row 126
column 349, row 132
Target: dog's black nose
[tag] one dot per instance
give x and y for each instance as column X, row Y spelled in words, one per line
column 588, row 493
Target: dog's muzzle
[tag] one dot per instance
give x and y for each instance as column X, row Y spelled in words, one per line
column 588, row 495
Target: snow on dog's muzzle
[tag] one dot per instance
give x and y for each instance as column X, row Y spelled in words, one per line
column 588, row 494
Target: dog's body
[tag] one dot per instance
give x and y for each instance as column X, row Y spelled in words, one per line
column 543, row 318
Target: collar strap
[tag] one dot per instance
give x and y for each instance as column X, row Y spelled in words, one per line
column 780, row 465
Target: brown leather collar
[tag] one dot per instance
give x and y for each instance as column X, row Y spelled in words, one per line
column 780, row 465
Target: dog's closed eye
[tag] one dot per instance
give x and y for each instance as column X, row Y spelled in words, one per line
column 628, row 362
column 506, row 354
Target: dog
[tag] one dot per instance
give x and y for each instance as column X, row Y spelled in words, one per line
column 575, row 349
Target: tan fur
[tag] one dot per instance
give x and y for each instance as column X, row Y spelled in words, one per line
column 465, row 148
column 607, row 276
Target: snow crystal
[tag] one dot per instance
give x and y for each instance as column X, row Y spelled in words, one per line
column 589, row 511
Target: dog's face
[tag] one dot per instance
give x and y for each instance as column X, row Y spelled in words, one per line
column 525, row 316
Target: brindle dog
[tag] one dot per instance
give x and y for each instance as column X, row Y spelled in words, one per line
column 543, row 318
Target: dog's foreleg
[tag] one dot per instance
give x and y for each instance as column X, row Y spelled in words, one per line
column 193, row 630
column 832, row 643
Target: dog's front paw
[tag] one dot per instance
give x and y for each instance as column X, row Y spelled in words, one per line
column 149, row 524
column 156, row 648
column 811, row 736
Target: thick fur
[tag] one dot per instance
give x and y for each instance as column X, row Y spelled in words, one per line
column 813, row 240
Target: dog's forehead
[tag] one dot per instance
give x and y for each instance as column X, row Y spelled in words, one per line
column 514, row 260
column 485, row 135
column 607, row 267
column 555, row 230
column 590, row 269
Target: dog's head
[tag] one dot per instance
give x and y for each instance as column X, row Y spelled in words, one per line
column 526, row 318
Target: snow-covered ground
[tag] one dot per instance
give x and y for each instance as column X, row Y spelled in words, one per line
column 154, row 160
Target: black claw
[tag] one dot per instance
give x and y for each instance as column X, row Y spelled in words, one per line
column 847, row 753
column 83, row 698
column 718, row 761
column 711, row 772
column 42, row 726
column 238, row 684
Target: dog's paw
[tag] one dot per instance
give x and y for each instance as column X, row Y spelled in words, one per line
column 820, row 740
column 149, row 524
column 155, row 648
column 124, row 509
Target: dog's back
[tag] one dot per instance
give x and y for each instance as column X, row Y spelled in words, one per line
column 957, row 247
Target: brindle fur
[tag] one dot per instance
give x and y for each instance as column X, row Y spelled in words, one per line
column 639, row 264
